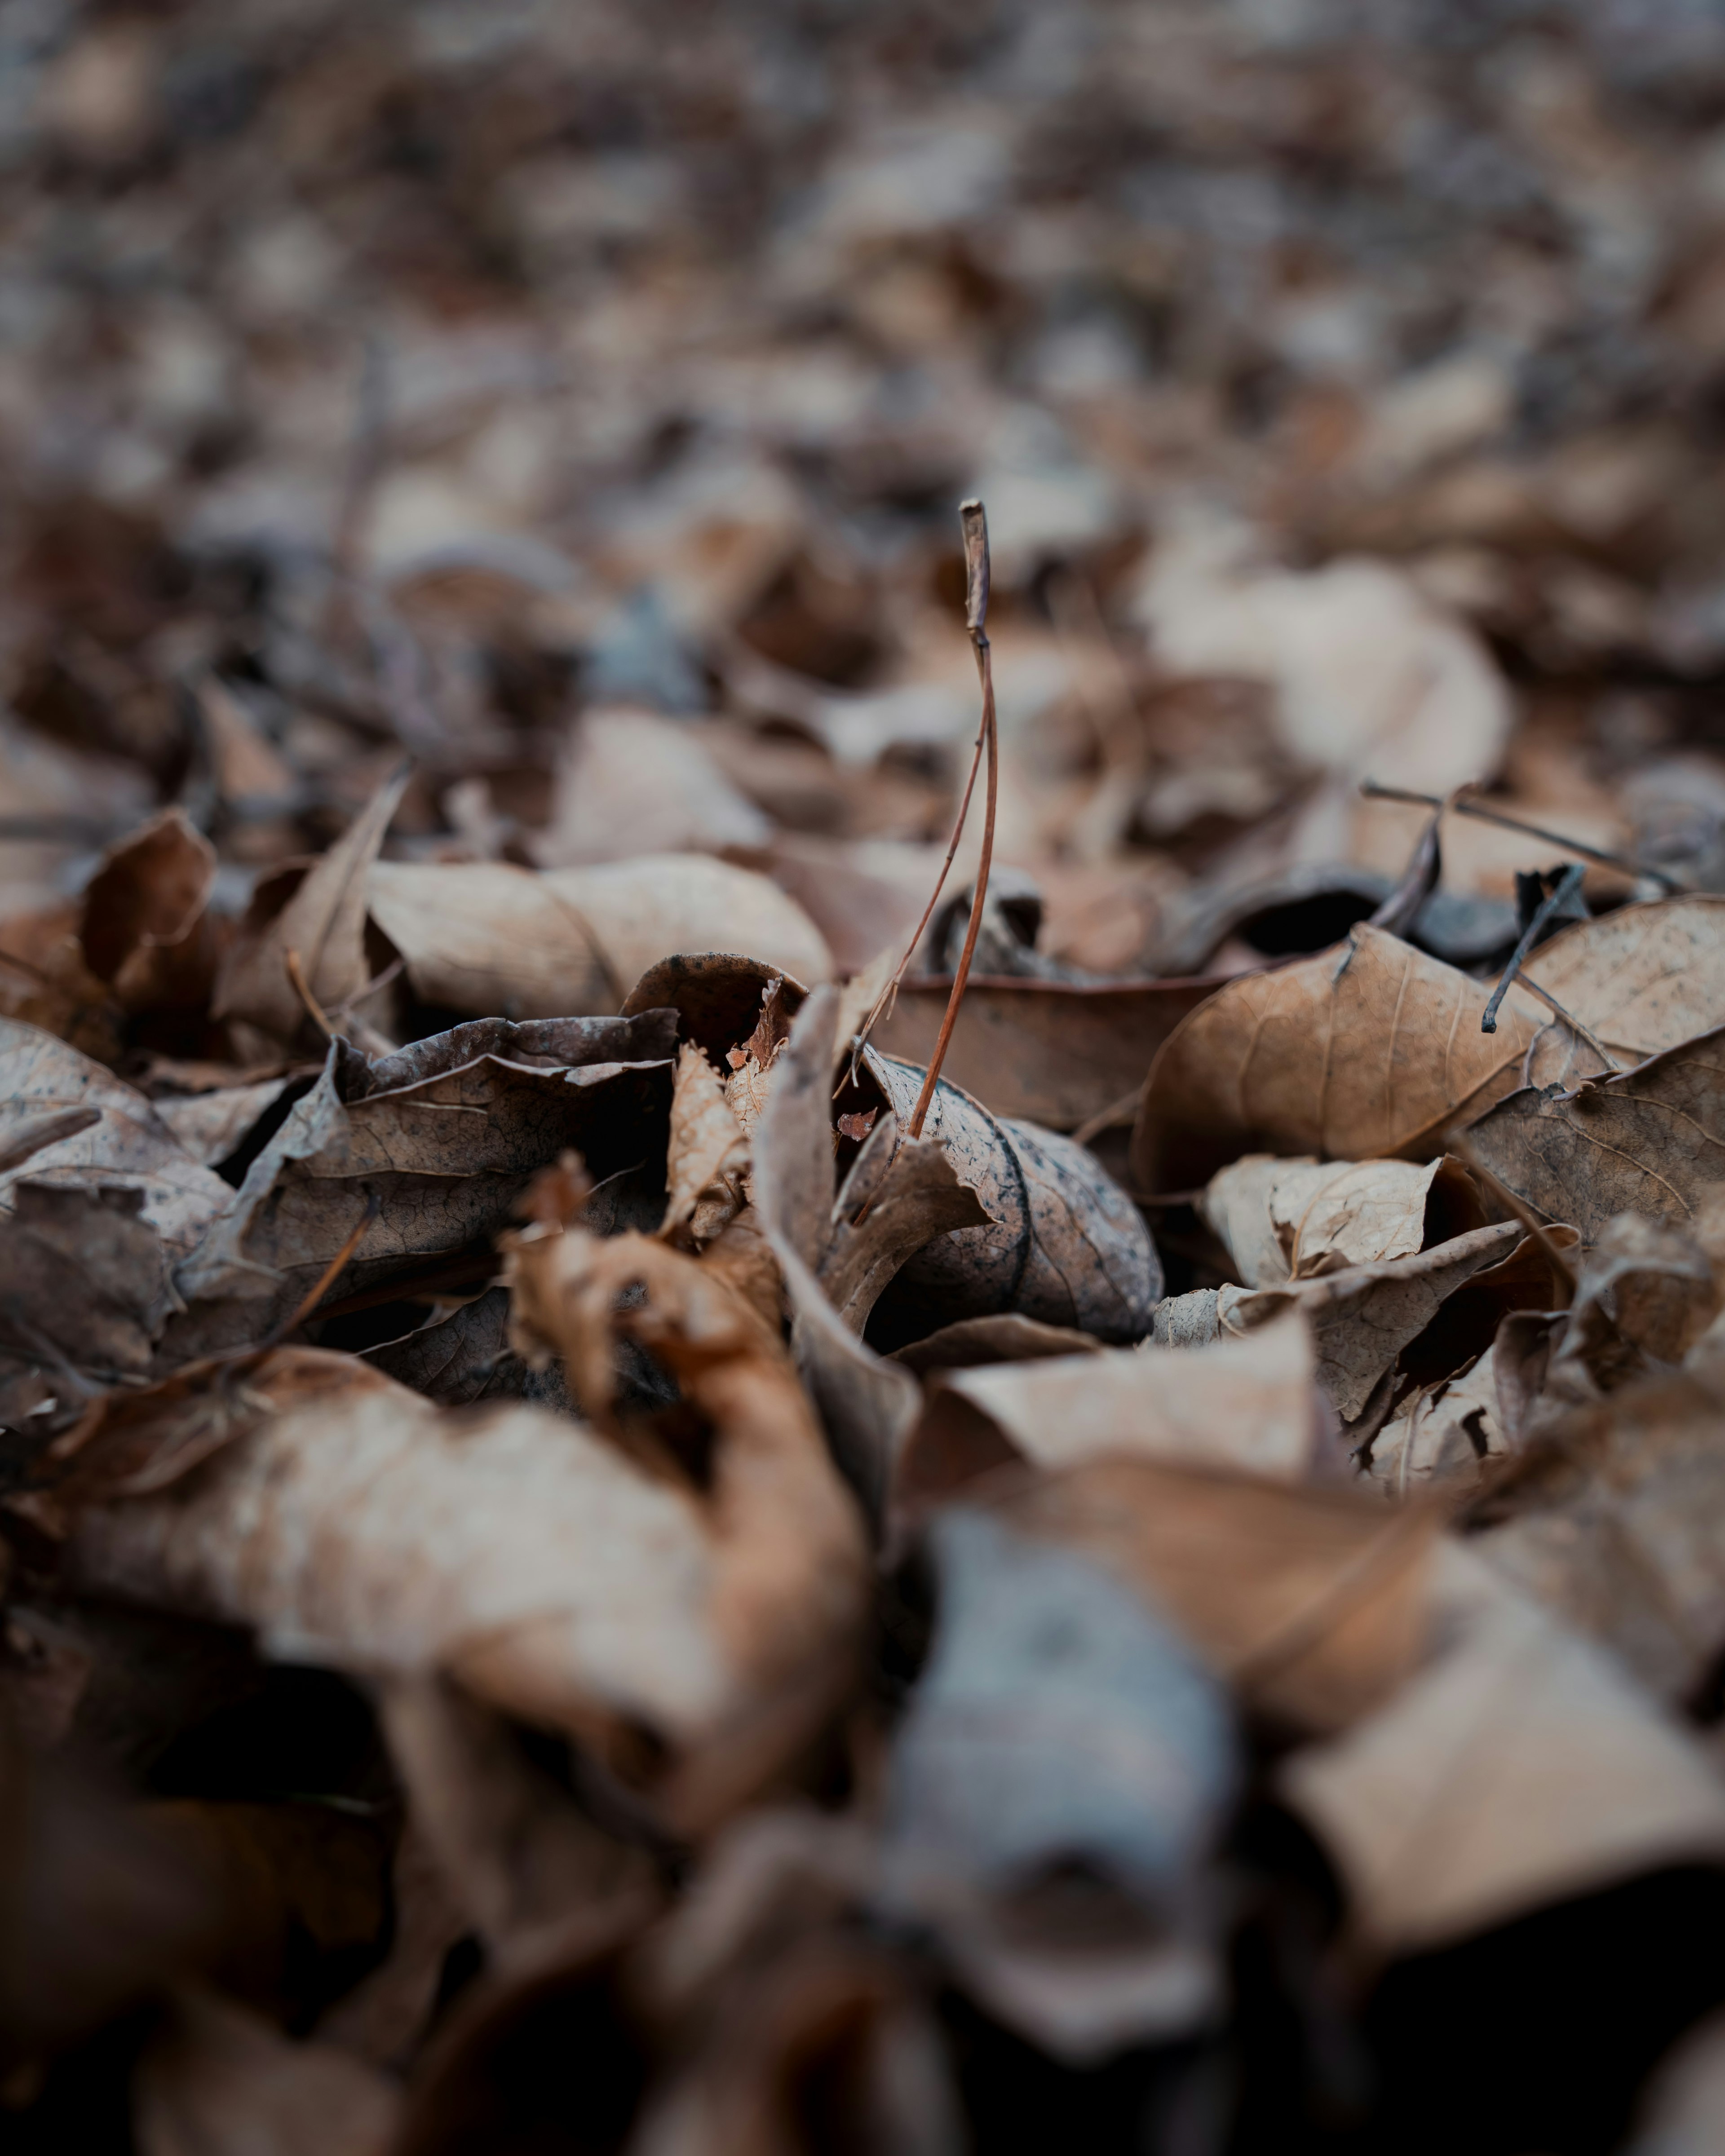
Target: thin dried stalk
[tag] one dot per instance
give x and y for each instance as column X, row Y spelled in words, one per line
column 975, row 523
column 1463, row 806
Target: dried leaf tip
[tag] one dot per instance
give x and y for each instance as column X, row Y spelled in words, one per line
column 973, row 519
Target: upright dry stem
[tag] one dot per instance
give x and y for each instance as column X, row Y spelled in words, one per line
column 976, row 618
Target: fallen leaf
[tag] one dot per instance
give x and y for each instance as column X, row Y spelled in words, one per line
column 318, row 916
column 1369, row 1051
column 1279, row 1219
column 1054, row 1052
column 709, row 1150
column 1641, row 1141
column 444, row 1134
column 1246, row 1403
column 866, row 1405
column 72, row 1125
column 1067, row 1247
column 481, row 938
column 632, row 783
column 143, row 926
column 1642, row 979
column 1519, row 1767
column 351, row 1521
column 1447, row 1433
column 898, row 1198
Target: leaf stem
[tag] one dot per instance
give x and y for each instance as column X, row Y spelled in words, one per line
column 975, row 524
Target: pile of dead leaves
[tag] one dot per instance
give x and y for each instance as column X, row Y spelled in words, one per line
column 573, row 1586
column 567, row 1584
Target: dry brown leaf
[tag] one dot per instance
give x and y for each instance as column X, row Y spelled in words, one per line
column 210, row 1126
column 709, row 1150
column 1616, row 1527
column 1647, row 1141
column 444, row 1134
column 1446, row 1433
column 71, row 1124
column 84, row 1287
column 1244, row 1404
column 143, row 927
column 481, row 938
column 214, row 2076
column 319, row 916
column 1279, row 1219
column 633, row 782
column 1312, row 1603
column 975, row 1341
column 1367, row 1051
column 1517, row 1767
column 1050, row 1052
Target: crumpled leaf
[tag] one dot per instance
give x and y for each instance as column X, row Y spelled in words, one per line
column 516, row 1850
column 1646, row 1296
column 1066, row 1245
column 351, row 1521
column 1365, row 1318
column 68, row 1122
column 211, row 1125
column 771, row 1976
column 320, row 917
column 1060, row 1725
column 897, row 1199
column 1246, row 1403
column 445, row 1134
column 709, row 1150
column 1518, row 1768
column 84, row 1286
column 1281, row 1219
column 1447, row 1433
column 1647, row 1141
column 483, row 938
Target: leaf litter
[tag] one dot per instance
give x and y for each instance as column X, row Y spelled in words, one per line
column 862, row 962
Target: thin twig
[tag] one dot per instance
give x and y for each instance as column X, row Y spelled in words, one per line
column 975, row 524
column 330, row 1273
column 888, row 997
column 1569, row 1019
column 1558, row 896
column 302, row 988
column 1463, row 806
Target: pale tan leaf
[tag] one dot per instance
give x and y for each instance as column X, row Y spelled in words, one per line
column 1246, row 1403
column 483, row 938
column 1519, row 1767
column 918, row 1197
column 1645, row 977
column 1363, row 1317
column 1281, row 1219
column 68, row 1122
column 709, row 1149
